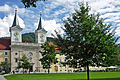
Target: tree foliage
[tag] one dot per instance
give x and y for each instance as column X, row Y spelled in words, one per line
column 87, row 41
column 5, row 66
column 28, row 3
column 24, row 63
column 48, row 55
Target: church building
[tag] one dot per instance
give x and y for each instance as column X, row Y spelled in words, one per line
column 31, row 50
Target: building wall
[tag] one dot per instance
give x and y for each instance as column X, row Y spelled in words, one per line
column 20, row 49
column 31, row 50
column 3, row 55
column 59, row 67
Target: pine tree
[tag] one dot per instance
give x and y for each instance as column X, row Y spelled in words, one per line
column 87, row 41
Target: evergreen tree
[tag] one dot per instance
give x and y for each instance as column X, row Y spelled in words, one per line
column 87, row 41
column 48, row 55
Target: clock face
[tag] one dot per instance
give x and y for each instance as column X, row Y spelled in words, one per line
column 16, row 35
column 42, row 37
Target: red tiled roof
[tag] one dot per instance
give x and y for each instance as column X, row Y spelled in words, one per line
column 57, row 50
column 50, row 43
column 4, row 44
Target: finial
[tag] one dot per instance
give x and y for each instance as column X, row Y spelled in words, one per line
column 15, row 9
column 15, row 21
column 40, row 13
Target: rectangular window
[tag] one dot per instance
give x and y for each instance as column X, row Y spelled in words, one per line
column 60, row 54
column 64, row 60
column 6, row 59
column 60, row 66
column 60, row 60
column 6, row 53
column 65, row 66
column 70, row 66
column 16, row 60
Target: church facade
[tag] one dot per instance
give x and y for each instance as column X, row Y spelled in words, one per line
column 31, row 50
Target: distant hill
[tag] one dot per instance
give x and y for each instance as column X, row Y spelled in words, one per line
column 30, row 37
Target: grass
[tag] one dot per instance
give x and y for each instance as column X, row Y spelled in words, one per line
column 66, row 76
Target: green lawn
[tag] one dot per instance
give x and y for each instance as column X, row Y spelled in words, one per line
column 66, row 76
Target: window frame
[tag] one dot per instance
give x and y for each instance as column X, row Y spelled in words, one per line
column 5, row 59
column 5, row 53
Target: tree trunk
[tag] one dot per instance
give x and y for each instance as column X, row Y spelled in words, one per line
column 48, row 71
column 23, row 70
column 29, row 70
column 87, row 71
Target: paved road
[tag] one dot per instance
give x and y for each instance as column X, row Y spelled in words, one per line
column 2, row 77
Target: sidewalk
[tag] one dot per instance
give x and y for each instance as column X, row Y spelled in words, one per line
column 2, row 77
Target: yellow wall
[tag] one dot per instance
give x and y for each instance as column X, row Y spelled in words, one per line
column 2, row 55
column 57, row 68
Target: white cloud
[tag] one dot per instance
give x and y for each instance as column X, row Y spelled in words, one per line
column 5, row 8
column 108, row 9
column 6, row 23
column 50, row 26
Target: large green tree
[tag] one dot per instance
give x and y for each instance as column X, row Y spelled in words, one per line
column 24, row 63
column 48, row 55
column 87, row 41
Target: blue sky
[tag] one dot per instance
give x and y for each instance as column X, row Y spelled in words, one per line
column 53, row 11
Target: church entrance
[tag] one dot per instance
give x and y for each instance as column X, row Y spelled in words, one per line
column 31, row 68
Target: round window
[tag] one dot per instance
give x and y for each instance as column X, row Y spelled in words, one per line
column 30, row 54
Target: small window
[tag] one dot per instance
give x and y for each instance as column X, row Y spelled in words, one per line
column 70, row 66
column 65, row 66
column 16, row 60
column 60, row 60
column 60, row 54
column 64, row 60
column 6, row 59
column 6, row 53
column 16, row 53
column 60, row 66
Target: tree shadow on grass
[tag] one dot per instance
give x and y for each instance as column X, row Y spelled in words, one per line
column 100, row 79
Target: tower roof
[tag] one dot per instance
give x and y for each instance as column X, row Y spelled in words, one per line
column 15, row 22
column 40, row 23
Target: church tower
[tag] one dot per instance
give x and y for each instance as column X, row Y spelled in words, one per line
column 40, row 33
column 15, row 30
